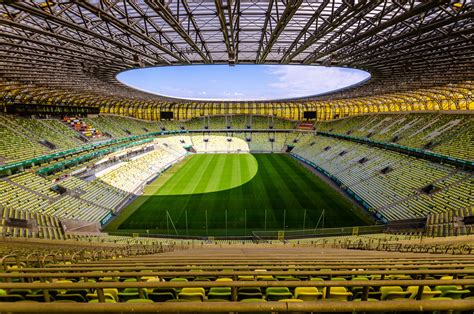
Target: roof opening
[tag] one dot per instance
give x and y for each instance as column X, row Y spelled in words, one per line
column 242, row 82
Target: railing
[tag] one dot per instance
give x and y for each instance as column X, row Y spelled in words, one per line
column 315, row 306
column 315, row 233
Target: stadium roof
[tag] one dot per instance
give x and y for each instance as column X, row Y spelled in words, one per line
column 71, row 51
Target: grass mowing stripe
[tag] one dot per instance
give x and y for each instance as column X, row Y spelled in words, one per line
column 188, row 178
column 279, row 184
column 174, row 181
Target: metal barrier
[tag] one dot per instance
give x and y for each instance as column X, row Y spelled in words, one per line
column 316, row 306
column 238, row 307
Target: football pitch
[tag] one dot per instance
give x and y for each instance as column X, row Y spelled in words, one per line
column 235, row 194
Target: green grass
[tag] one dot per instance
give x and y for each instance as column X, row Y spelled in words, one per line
column 253, row 191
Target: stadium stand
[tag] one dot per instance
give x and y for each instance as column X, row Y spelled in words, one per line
column 82, row 127
column 448, row 134
column 253, row 276
column 77, row 146
column 218, row 144
column 134, row 174
column 396, row 194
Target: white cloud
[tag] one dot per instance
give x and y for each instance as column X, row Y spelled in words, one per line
column 299, row 81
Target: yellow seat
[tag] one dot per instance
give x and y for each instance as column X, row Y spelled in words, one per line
column 192, row 294
column 393, row 293
column 338, row 293
column 307, row 293
column 156, row 279
column 246, row 278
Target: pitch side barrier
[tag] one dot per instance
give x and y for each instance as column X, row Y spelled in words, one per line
column 410, row 151
column 269, row 234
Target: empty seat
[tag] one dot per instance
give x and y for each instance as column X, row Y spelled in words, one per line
column 192, row 294
column 307, row 293
column 393, row 293
column 278, row 293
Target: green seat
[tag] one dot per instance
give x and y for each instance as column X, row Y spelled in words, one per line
column 22, row 292
column 106, row 301
column 11, row 298
column 358, row 290
column 130, row 280
column 278, row 293
column 452, row 292
column 393, row 293
column 38, row 297
column 70, row 296
column 455, row 294
column 82, row 292
column 139, row 301
column 161, row 296
column 178, row 279
column 125, row 296
column 249, row 295
column 223, row 293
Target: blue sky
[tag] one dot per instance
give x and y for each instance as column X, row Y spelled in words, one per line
column 241, row 82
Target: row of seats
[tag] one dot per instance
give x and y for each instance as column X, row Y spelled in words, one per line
column 449, row 134
column 256, row 274
column 238, row 122
column 389, row 182
column 131, row 175
column 246, row 294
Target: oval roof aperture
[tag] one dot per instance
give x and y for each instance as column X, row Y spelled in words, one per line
column 242, row 82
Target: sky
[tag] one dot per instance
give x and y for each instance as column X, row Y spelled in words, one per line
column 241, row 82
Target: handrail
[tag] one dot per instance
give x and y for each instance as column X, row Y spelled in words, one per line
column 42, row 274
column 153, row 262
column 38, row 256
column 206, row 307
column 240, row 268
column 252, row 265
column 48, row 255
column 210, row 284
column 4, row 259
column 288, row 259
